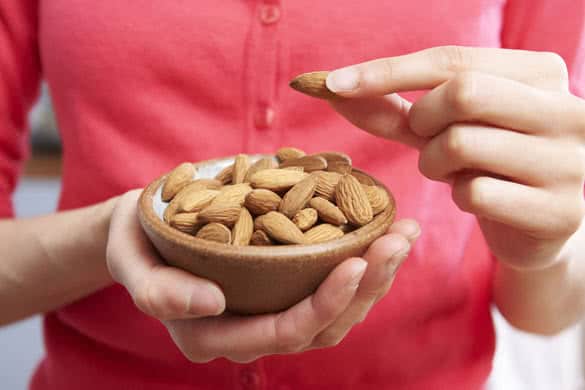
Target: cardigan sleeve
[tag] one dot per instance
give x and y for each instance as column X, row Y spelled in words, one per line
column 19, row 84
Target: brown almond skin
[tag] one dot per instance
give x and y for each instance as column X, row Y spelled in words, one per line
column 186, row 222
column 362, row 178
column 215, row 232
column 260, row 238
column 281, row 229
column 377, row 197
column 197, row 200
column 277, row 179
column 313, row 84
column 298, row 196
column 235, row 193
column 179, row 177
column 262, row 201
column 308, row 163
column 353, row 201
column 243, row 228
column 223, row 213
column 263, row 163
column 323, row 233
column 337, row 162
column 326, row 184
column 289, row 152
column 328, row 212
column 225, row 175
column 306, row 218
column 194, row 186
column 241, row 165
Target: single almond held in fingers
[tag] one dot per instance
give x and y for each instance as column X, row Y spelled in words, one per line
column 177, row 179
column 308, row 163
column 263, row 163
column 322, row 233
column 260, row 238
column 241, row 165
column 196, row 200
column 298, row 196
column 377, row 197
column 337, row 162
column 215, row 232
column 225, row 175
column 328, row 212
column 313, row 84
column 262, row 201
column 281, row 229
column 353, row 201
column 306, row 218
column 326, row 184
column 276, row 179
column 186, row 222
column 288, row 153
column 243, row 228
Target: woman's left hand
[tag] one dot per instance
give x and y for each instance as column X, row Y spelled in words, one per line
column 499, row 125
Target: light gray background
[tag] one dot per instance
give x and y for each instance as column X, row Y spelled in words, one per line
column 523, row 362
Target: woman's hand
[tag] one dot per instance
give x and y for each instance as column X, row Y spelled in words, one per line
column 192, row 308
column 499, row 125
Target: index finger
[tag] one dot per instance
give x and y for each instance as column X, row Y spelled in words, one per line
column 429, row 68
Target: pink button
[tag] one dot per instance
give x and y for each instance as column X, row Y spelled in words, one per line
column 264, row 117
column 269, row 13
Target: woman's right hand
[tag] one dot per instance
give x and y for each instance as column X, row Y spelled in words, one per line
column 192, row 308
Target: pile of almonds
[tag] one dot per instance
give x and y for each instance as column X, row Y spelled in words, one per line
column 301, row 199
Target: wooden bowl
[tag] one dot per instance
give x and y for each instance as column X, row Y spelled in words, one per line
column 254, row 279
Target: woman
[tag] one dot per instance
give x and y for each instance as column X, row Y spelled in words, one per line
column 138, row 87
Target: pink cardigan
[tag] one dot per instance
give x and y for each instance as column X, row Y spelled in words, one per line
column 139, row 86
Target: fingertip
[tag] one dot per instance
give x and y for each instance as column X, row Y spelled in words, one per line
column 387, row 246
column 407, row 227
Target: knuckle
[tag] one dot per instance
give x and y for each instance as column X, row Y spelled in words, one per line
column 470, row 195
column 453, row 59
column 454, row 143
column 462, row 93
column 288, row 338
column 558, row 68
column 328, row 339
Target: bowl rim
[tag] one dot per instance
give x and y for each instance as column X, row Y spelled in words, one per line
column 358, row 237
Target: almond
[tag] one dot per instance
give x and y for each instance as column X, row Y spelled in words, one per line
column 300, row 169
column 281, row 229
column 194, row 186
column 186, row 222
column 262, row 201
column 326, row 183
column 276, row 179
column 225, row 175
column 337, row 162
column 353, row 201
column 241, row 165
column 235, row 193
column 194, row 201
column 322, row 233
column 305, row 219
column 215, row 232
column 298, row 196
column 260, row 238
column 308, row 163
column 328, row 212
column 225, row 213
column 288, row 153
column 177, row 179
column 243, row 229
column 263, row 163
column 377, row 197
column 363, row 178
column 313, row 84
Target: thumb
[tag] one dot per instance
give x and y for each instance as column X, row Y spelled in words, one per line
column 385, row 116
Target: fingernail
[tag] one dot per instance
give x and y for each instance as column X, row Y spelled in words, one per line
column 207, row 301
column 357, row 272
column 343, row 80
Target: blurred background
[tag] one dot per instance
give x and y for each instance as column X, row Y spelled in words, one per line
column 522, row 361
